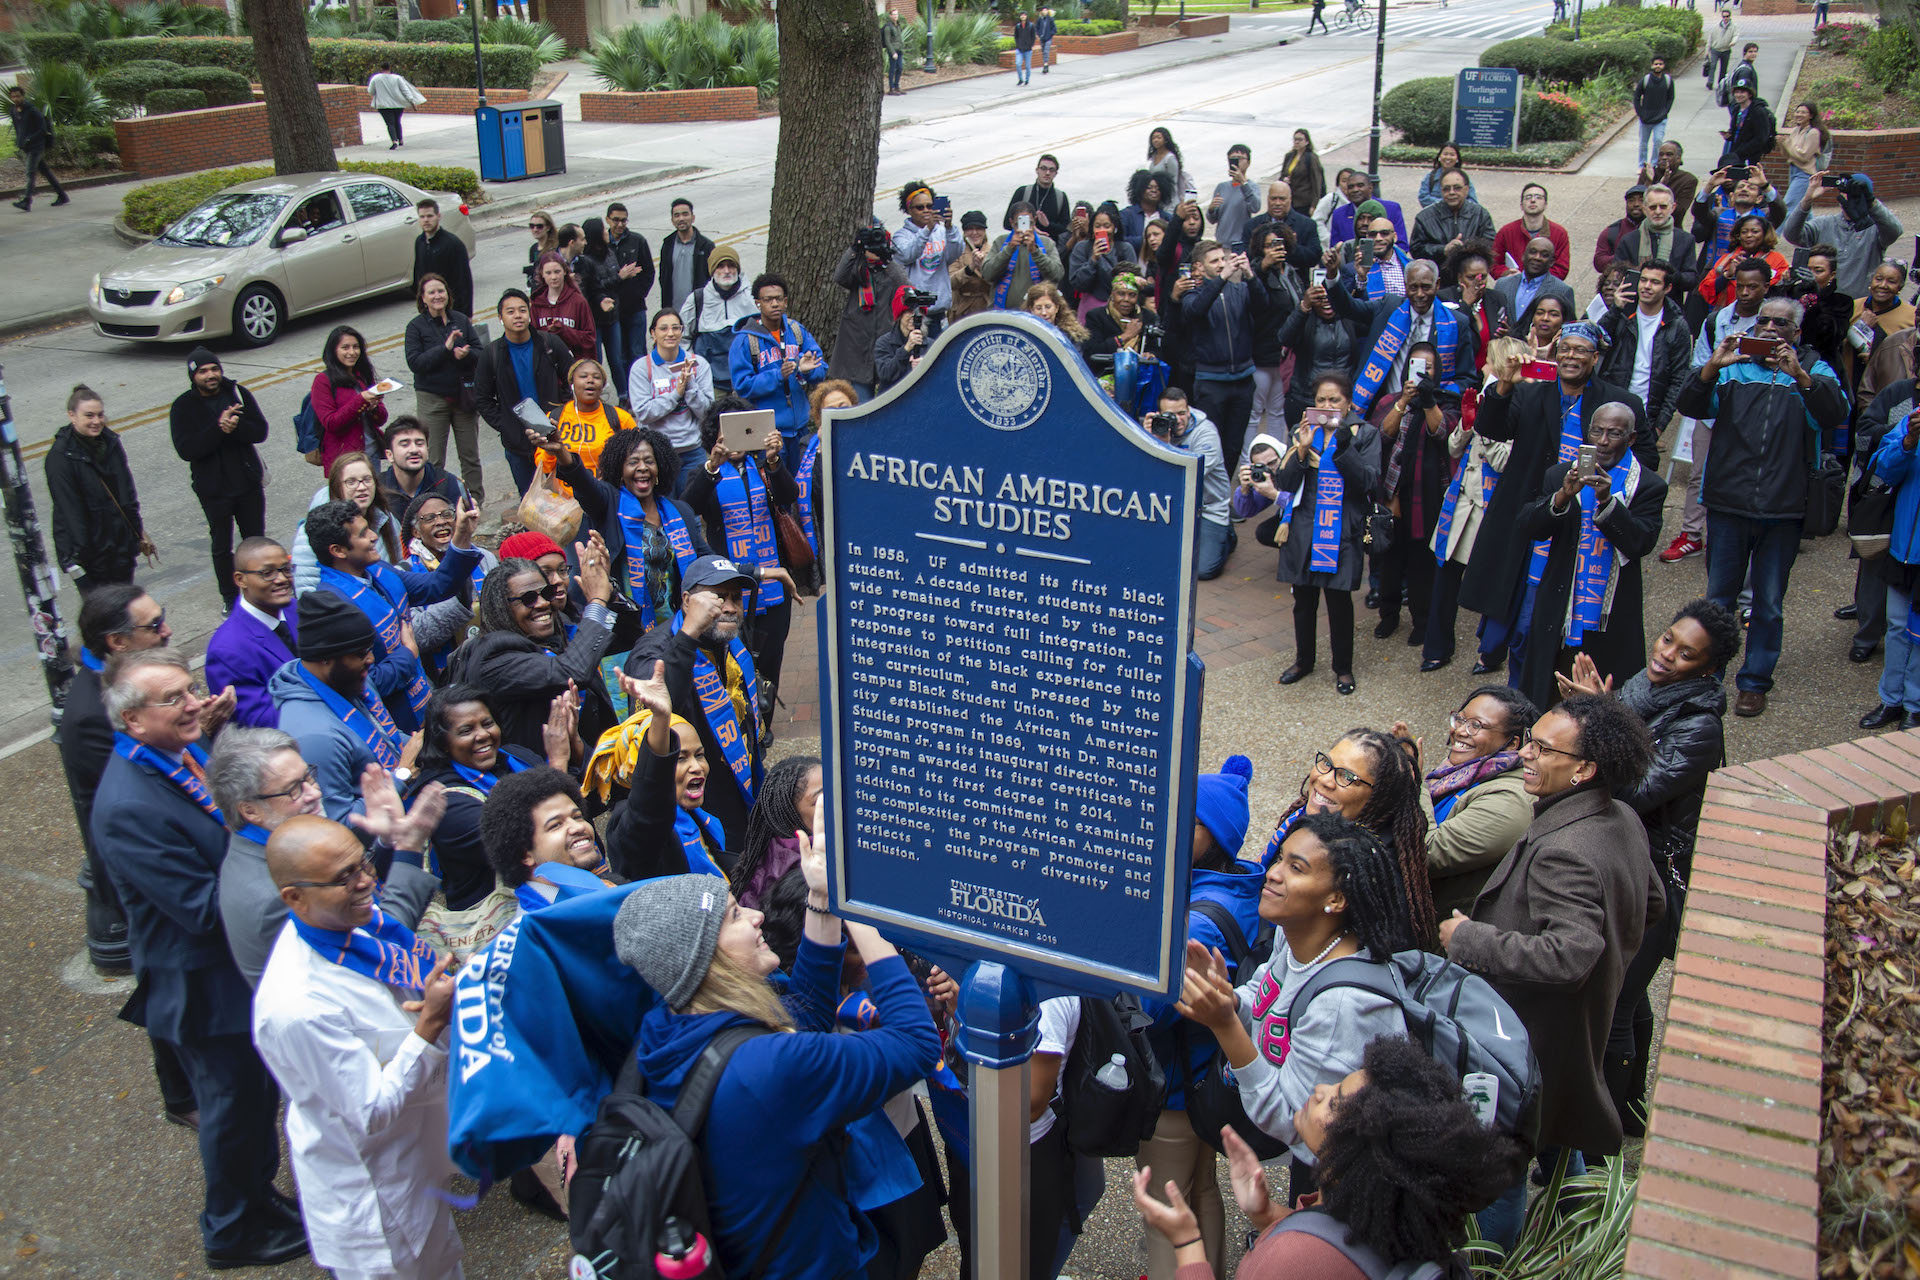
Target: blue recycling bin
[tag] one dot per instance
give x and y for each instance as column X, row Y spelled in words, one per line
column 520, row 140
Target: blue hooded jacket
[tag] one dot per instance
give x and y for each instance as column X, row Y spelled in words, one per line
column 1238, row 891
column 783, row 1094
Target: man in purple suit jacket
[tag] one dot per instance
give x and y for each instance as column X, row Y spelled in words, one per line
column 257, row 639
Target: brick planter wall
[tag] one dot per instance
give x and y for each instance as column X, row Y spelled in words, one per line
column 670, row 105
column 215, row 137
column 1212, row 25
column 1775, row 8
column 1892, row 156
column 461, row 102
column 1727, row 1179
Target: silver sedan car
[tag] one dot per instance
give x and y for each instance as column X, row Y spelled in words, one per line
column 259, row 253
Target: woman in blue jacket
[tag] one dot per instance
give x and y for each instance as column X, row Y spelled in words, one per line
column 784, row 1097
column 1225, row 889
column 1893, row 462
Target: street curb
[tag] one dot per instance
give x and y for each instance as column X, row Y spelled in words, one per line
column 1793, row 75
column 512, row 206
column 10, row 329
column 83, row 183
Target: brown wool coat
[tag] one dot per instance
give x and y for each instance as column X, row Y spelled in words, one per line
column 1553, row 931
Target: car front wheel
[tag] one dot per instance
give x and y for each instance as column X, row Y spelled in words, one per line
column 258, row 314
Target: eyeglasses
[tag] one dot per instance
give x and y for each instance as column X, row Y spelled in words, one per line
column 773, row 297
column 271, row 572
column 196, row 691
column 1528, row 740
column 304, row 781
column 345, row 880
column 442, row 516
column 1458, row 722
column 1599, row 433
column 158, row 625
column 556, row 593
column 1381, row 235
column 1342, row 777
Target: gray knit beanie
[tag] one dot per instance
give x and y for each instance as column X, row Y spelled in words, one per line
column 667, row 930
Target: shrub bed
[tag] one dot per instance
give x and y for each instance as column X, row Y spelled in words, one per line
column 152, row 207
column 437, row 31
column 1548, row 61
column 166, row 101
column 1420, row 109
column 339, row 61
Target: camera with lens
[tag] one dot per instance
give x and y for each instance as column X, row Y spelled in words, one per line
column 1797, row 283
column 1840, row 183
column 876, row 241
column 1164, row 425
column 1150, row 337
column 917, row 301
column 1259, row 471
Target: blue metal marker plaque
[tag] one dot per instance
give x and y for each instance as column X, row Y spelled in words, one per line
column 1011, row 702
column 1486, row 108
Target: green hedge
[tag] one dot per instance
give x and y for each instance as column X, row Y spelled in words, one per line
column 1541, row 59
column 437, row 31
column 85, row 146
column 152, row 208
column 1612, row 22
column 340, row 61
column 58, row 46
column 164, row 101
column 1539, row 155
column 223, row 88
column 128, row 84
column 1098, row 27
column 1422, row 110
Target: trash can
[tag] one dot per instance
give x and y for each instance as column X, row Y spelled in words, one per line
column 520, row 140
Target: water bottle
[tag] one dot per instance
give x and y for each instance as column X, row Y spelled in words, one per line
column 683, row 1253
column 1113, row 1075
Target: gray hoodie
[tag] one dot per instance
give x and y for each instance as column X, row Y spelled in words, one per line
column 335, row 752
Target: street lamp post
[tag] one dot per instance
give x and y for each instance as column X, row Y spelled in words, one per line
column 929, row 68
column 479, row 70
column 1379, row 75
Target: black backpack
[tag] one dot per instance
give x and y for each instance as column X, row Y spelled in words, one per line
column 640, row 1165
column 1101, row 1121
column 1213, row 1099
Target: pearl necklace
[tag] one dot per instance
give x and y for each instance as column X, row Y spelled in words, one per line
column 1302, row 968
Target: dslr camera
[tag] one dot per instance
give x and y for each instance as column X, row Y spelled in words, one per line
column 1842, row 183
column 918, row 300
column 1164, row 425
column 876, row 241
column 1259, row 471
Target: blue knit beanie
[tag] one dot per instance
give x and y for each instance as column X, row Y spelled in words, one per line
column 1220, row 802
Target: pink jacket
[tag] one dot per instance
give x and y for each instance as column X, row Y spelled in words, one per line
column 343, row 428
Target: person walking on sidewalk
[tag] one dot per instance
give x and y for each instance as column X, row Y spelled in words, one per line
column 32, row 138
column 1024, row 34
column 1319, row 16
column 391, row 93
column 1652, row 102
column 895, row 47
column 1046, row 29
column 1720, row 42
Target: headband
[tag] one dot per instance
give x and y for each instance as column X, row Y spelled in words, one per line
column 926, row 191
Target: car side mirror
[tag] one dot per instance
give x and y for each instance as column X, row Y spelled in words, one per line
column 292, row 235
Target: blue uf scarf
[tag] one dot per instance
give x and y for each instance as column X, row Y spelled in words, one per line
column 689, row 826
column 633, row 527
column 1329, row 492
column 749, row 524
column 1444, row 530
column 384, row 604
column 1572, row 436
column 91, row 661
column 382, row 949
column 1280, row 834
column 189, row 775
column 423, row 562
column 372, row 726
column 1594, row 563
column 1379, row 283
column 484, row 782
column 1393, row 340
column 717, row 707
column 567, row 882
column 804, row 478
column 1006, row 281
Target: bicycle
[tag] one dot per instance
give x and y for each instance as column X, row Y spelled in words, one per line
column 1353, row 13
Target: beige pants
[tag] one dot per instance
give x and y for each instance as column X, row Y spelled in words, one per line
column 1693, row 516
column 1176, row 1154
column 438, row 414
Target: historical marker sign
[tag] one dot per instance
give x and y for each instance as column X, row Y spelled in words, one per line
column 1486, row 108
column 1010, row 703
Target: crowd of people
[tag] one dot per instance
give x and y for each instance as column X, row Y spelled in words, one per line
column 406, row 744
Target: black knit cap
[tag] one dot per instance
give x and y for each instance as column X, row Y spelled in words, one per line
column 331, row 627
column 199, row 358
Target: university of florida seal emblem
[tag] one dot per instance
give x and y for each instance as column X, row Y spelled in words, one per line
column 1004, row 380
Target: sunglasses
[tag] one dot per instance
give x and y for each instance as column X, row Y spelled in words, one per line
column 556, row 593
column 539, row 226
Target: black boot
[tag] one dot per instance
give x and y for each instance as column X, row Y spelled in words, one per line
column 1626, row 1094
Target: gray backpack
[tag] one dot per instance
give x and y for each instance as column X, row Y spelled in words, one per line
column 1322, row 1225
column 1460, row 1020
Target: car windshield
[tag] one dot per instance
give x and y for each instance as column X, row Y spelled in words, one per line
column 235, row 218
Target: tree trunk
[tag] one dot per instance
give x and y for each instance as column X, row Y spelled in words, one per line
column 296, row 118
column 1904, row 13
column 829, row 151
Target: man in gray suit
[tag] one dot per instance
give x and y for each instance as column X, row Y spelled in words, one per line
column 1561, row 917
column 1534, row 280
column 259, row 781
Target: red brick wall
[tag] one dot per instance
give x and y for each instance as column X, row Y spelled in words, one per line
column 568, row 18
column 1891, row 157
column 1213, row 25
column 670, row 105
column 461, row 102
column 185, row 141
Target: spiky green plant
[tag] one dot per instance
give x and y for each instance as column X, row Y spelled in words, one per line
column 1576, row 1230
column 545, row 42
column 68, row 95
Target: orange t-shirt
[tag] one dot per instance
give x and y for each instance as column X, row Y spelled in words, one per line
column 586, row 436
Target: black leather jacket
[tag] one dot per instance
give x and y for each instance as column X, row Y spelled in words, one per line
column 1687, row 722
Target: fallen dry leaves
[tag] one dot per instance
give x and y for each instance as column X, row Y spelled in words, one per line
column 1870, row 1085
